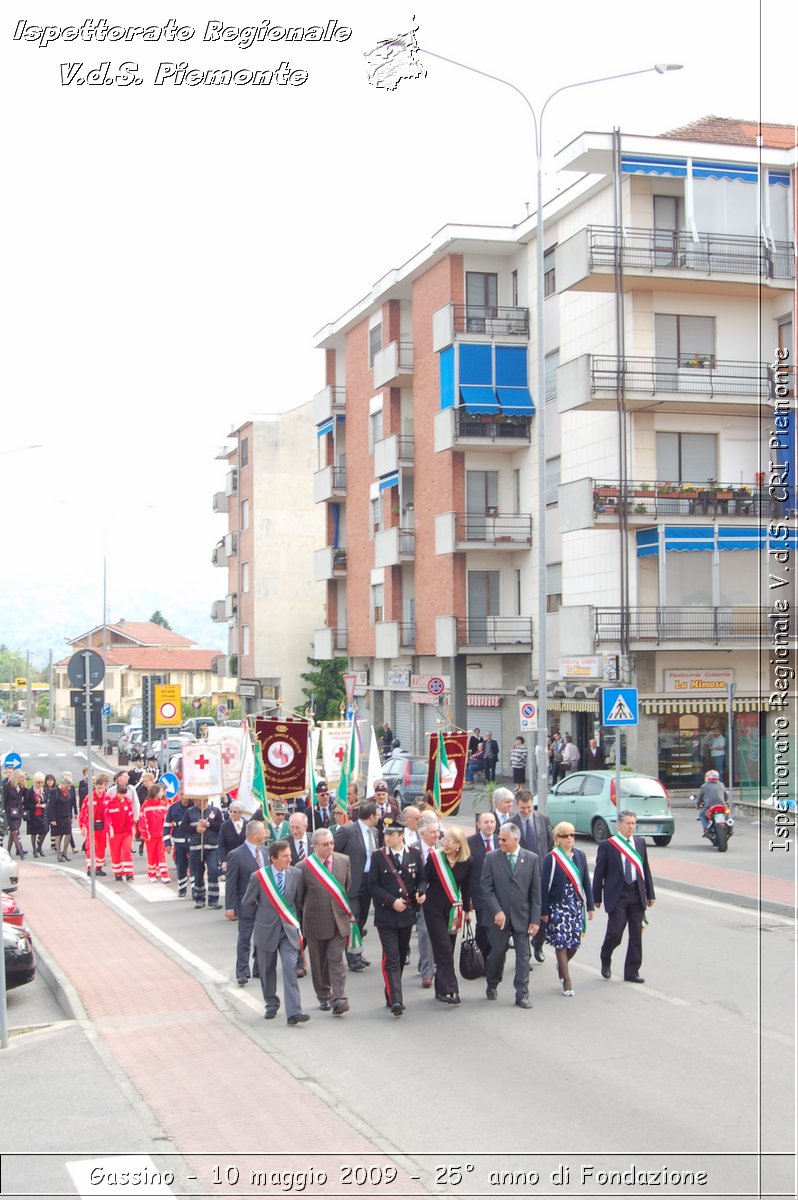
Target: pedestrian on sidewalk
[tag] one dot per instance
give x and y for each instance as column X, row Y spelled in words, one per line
column 622, row 878
column 100, row 783
column 13, row 803
column 518, row 757
column 491, row 753
column 59, row 816
column 151, row 822
column 274, row 899
column 36, row 800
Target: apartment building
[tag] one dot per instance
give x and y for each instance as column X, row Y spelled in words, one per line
column 272, row 605
column 669, row 266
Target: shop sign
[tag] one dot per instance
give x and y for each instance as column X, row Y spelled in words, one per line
column 396, row 678
column 690, row 682
column 581, row 667
column 424, row 698
column 419, row 682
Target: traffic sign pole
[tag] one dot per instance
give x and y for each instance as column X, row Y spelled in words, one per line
column 92, row 861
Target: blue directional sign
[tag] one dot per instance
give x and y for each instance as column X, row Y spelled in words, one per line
column 619, row 706
column 106, row 710
column 12, row 761
column 171, row 783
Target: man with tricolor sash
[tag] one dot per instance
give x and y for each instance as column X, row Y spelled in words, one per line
column 623, row 878
column 329, row 923
column 274, row 897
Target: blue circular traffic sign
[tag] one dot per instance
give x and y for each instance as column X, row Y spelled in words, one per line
column 171, row 783
column 12, row 761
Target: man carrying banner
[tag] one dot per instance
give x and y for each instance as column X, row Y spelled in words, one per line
column 623, row 879
column 274, row 898
column 328, row 921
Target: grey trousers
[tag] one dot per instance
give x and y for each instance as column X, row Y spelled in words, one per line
column 426, row 963
column 267, row 969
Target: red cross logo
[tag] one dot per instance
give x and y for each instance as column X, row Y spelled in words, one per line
column 202, row 762
column 339, row 754
column 228, row 756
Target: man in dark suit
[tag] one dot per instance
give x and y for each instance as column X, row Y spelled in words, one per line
column 594, row 757
column 481, row 843
column 298, row 839
column 358, row 841
column 503, row 800
column 233, row 833
column 322, row 815
column 241, row 862
column 511, row 896
column 397, row 886
column 537, row 835
column 491, row 757
column 387, row 807
column 276, row 929
column 623, row 877
column 326, row 924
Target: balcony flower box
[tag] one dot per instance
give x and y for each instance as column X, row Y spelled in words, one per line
column 606, row 492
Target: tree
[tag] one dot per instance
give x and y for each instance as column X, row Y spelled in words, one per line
column 326, row 687
column 158, row 618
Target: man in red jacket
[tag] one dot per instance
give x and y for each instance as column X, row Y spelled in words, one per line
column 100, row 784
column 119, row 826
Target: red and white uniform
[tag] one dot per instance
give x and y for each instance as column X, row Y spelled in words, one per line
column 119, row 826
column 151, row 822
column 99, row 834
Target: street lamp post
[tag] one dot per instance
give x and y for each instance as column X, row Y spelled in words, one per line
column 540, row 424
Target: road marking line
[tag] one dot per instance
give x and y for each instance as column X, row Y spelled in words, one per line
column 738, row 909
column 138, row 1167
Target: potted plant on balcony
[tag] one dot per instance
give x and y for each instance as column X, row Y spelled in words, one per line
column 688, row 491
column 605, row 490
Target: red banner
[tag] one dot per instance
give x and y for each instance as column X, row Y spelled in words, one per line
column 285, row 754
column 456, row 745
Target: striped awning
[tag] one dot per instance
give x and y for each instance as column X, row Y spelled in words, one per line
column 589, row 706
column 676, row 705
column 478, row 700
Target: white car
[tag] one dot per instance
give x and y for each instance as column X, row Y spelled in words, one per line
column 9, row 871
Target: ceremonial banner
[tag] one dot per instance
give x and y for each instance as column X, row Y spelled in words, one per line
column 285, row 754
column 202, row 771
column 231, row 742
column 245, row 795
column 374, row 770
column 451, row 780
column 335, row 741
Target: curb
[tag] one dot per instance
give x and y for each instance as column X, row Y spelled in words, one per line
column 65, row 994
column 775, row 907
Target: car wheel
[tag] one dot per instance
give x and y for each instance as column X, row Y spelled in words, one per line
column 663, row 839
column 600, row 830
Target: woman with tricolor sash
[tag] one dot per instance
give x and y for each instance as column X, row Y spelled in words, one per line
column 448, row 874
column 567, row 900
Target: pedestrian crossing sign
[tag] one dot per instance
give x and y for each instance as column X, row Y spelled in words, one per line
column 619, row 706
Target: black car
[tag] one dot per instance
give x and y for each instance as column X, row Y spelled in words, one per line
column 14, row 718
column 406, row 778
column 19, row 956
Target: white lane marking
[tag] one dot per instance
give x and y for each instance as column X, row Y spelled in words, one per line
column 240, row 995
column 139, row 1172
column 737, row 909
column 155, row 893
column 60, row 754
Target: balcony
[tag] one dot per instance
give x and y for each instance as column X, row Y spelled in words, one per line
column 394, row 546
column 653, row 500
column 476, row 321
column 329, row 403
column 504, row 634
column 457, row 429
column 219, row 612
column 393, row 366
column 329, row 484
column 329, row 644
column 329, row 563
column 723, row 263
column 231, row 481
column 224, row 549
column 592, row 381
column 393, row 453
column 649, row 627
column 455, row 532
column 394, row 638
column 221, row 502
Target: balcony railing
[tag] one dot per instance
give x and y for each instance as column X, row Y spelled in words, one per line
column 338, row 641
column 712, row 254
column 514, row 529
column 495, row 632
column 496, row 321
column 405, row 447
column 407, row 635
column 699, row 374
column 658, row 625
column 682, row 499
column 496, row 429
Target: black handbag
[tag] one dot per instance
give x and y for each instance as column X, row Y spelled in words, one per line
column 472, row 963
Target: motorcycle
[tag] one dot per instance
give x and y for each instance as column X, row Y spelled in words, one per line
column 720, row 827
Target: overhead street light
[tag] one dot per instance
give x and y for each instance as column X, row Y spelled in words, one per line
column 540, row 425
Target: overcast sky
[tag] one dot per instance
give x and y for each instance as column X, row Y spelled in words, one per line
column 171, row 251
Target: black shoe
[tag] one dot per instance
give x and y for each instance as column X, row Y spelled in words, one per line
column 397, row 1009
column 523, row 1002
column 491, row 993
column 606, row 973
column 200, row 904
column 634, row 979
column 242, row 982
column 325, row 1005
column 340, row 1008
column 299, row 1019
column 270, row 1014
column 301, row 972
column 360, row 965
column 118, row 878
column 213, row 904
column 539, row 956
column 100, row 871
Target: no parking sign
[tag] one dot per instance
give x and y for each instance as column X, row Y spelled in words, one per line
column 527, row 715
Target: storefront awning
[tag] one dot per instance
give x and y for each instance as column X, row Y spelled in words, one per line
column 588, row 706
column 675, row 705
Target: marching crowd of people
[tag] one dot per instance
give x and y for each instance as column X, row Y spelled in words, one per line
column 300, row 886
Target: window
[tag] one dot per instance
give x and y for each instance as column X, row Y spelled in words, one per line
column 244, row 452
column 245, row 577
column 518, row 608
column 552, row 480
column 549, row 283
column 689, row 340
column 516, row 491
column 375, row 343
column 483, row 603
column 245, row 514
column 375, row 429
column 482, row 492
column 376, row 515
column 514, row 288
column 245, row 639
column 377, row 601
column 553, row 587
column 482, row 298
column 686, row 457
column 552, row 363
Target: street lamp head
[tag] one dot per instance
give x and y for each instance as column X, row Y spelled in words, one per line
column 661, row 68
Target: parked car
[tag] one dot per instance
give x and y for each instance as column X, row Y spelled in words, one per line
column 19, row 956
column 174, row 744
column 113, row 732
column 196, row 726
column 11, row 913
column 14, row 718
column 589, row 800
column 9, row 871
column 130, row 742
column 406, row 777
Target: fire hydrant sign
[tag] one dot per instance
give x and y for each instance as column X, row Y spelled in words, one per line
column 168, row 706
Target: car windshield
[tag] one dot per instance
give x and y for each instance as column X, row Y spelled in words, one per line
column 641, row 787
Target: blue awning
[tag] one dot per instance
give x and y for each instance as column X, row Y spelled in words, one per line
column 647, row 542
column 389, row 481
column 327, row 427
column 648, row 164
column 738, row 537
column 681, row 539
column 515, row 401
column 782, row 178
column 734, row 171
column 478, row 399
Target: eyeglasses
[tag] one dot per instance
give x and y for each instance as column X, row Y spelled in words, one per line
column 566, row 835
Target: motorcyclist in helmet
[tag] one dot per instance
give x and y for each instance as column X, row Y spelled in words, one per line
column 711, row 792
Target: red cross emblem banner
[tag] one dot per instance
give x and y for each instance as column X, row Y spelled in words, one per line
column 231, row 745
column 456, row 746
column 336, row 739
column 285, row 756
column 202, row 771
